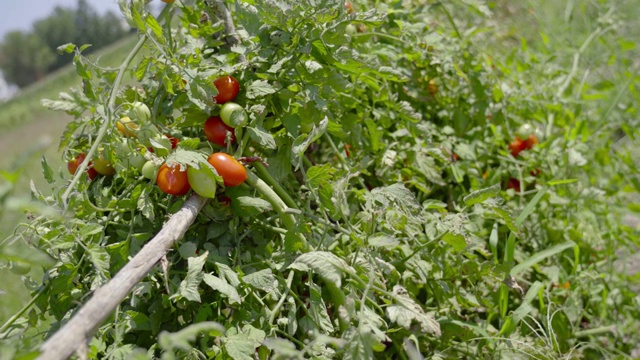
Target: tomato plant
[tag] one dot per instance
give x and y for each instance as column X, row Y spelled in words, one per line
column 216, row 131
column 149, row 170
column 172, row 180
column 232, row 172
column 228, row 88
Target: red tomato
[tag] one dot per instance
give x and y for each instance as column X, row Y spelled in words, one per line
column 174, row 141
column 513, row 184
column 530, row 142
column 172, row 181
column 349, row 7
column 233, row 173
column 73, row 165
column 216, row 131
column 91, row 173
column 228, row 88
column 516, row 146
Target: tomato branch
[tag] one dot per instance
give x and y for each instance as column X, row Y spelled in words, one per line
column 105, row 299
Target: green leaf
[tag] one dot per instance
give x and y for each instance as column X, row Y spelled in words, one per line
column 457, row 241
column 383, row 240
column 259, row 88
column 303, row 141
column 99, row 259
column 320, row 174
column 406, row 310
column 155, row 27
column 189, row 286
column 263, row 138
column 480, row 196
column 181, row 339
column 223, row 287
column 541, row 255
column 327, row 265
column 263, row 280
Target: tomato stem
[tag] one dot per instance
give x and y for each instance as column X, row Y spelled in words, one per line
column 24, row 309
column 266, row 176
column 278, row 205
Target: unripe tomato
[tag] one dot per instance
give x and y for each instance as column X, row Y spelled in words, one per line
column 232, row 172
column 20, row 268
column 140, row 111
column 149, row 170
column 525, row 130
column 103, row 166
column 228, row 88
column 351, row 29
column 202, row 181
column 233, row 115
column 216, row 131
column 127, row 128
column 172, row 181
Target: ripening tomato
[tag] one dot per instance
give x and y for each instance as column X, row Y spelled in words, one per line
column 73, row 165
column 349, row 7
column 530, row 142
column 232, row 172
column 127, row 127
column 172, row 181
column 216, row 131
column 103, row 167
column 228, row 88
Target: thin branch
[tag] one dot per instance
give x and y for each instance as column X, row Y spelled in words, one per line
column 105, row 299
column 223, row 14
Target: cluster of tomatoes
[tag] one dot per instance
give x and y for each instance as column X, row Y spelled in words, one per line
column 525, row 139
column 176, row 180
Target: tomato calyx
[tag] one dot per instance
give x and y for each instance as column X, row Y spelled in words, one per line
column 251, row 159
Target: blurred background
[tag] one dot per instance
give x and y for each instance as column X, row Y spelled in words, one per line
column 31, row 69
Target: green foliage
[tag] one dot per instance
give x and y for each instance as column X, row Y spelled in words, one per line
column 395, row 223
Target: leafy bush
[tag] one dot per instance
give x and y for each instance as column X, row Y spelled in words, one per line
column 397, row 221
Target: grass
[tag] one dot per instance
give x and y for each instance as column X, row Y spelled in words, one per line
column 24, row 123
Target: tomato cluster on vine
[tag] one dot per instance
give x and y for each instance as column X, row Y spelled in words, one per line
column 174, row 179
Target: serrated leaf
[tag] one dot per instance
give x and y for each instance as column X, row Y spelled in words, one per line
column 155, row 27
column 263, row 280
column 327, row 265
column 263, row 138
column 228, row 274
column 457, row 241
column 481, row 195
column 406, row 310
column 303, row 141
column 318, row 309
column 99, row 259
column 223, row 287
column 320, row 174
column 383, row 240
column 182, row 339
column 189, row 286
column 259, row 88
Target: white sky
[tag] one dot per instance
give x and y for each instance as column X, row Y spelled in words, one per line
column 21, row 14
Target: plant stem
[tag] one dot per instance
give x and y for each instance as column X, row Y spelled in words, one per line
column 23, row 310
column 276, row 309
column 266, row 176
column 278, row 205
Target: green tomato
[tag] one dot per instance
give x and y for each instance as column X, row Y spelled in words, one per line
column 140, row 112
column 20, row 268
column 233, row 115
column 525, row 130
column 137, row 161
column 351, row 29
column 202, row 181
column 149, row 170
